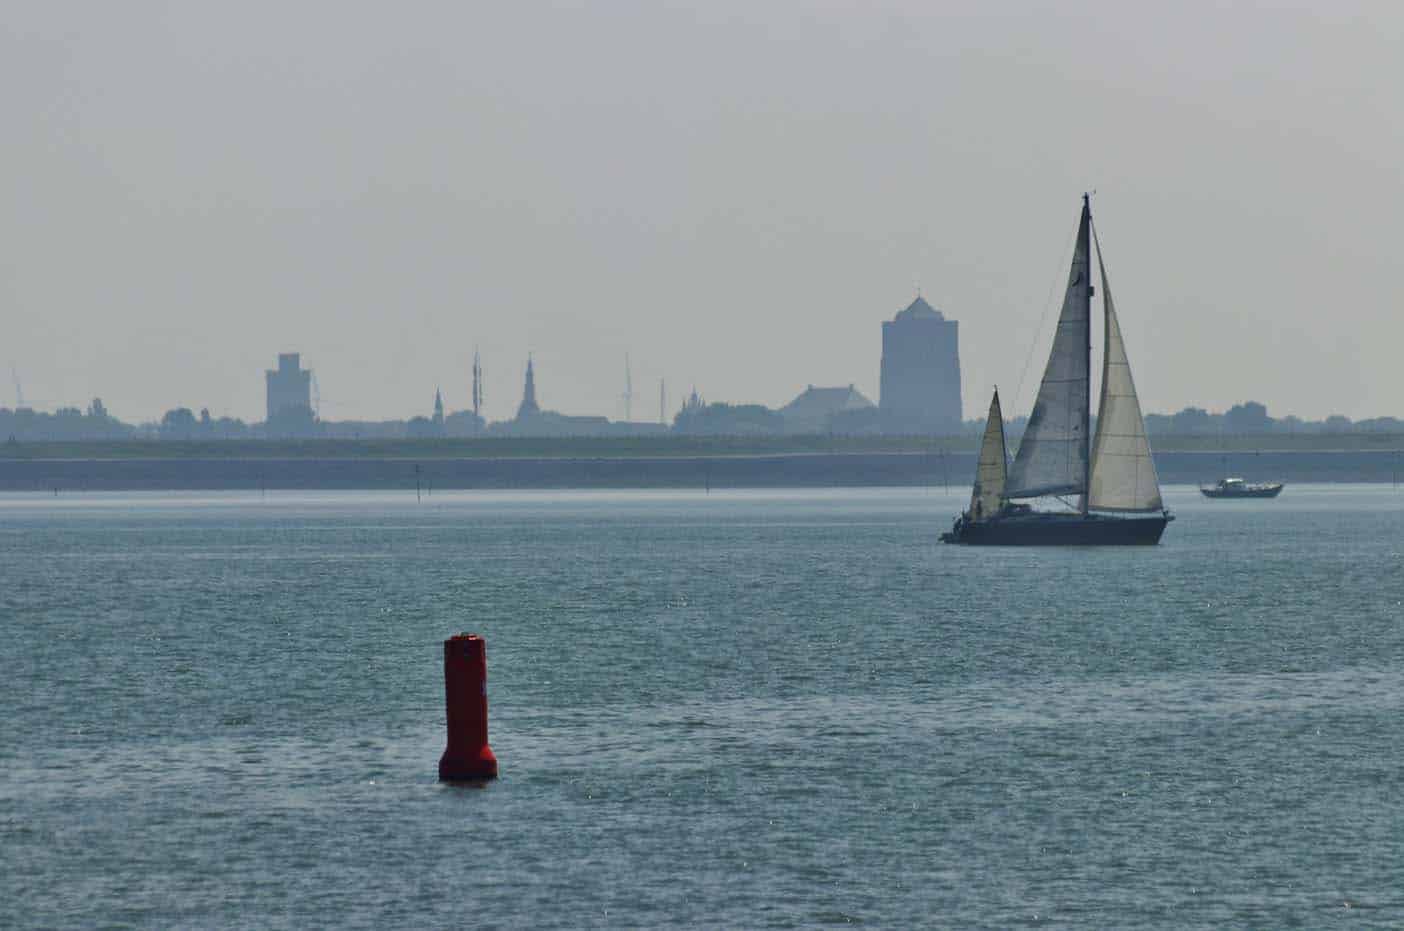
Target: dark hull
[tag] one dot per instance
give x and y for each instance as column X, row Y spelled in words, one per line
column 1060, row 530
column 1271, row 491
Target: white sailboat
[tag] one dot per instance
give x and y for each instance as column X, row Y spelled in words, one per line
column 987, row 498
column 1112, row 476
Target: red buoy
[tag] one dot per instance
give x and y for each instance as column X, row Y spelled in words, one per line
column 468, row 757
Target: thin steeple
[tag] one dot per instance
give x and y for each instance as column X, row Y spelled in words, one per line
column 529, row 407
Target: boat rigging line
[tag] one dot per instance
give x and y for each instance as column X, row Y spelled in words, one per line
column 1065, row 257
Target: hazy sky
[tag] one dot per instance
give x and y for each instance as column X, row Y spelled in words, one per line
column 734, row 194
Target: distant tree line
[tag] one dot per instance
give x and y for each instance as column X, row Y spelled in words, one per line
column 696, row 417
column 66, row 423
column 1250, row 417
column 702, row 419
column 70, row 423
column 182, row 423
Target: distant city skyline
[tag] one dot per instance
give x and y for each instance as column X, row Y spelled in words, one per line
column 298, row 384
column 734, row 194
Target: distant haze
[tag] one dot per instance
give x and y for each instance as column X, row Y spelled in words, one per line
column 734, row 194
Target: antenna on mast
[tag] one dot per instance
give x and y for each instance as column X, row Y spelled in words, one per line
column 477, row 385
column 628, row 391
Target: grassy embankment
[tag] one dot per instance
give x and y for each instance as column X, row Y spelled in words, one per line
column 639, row 447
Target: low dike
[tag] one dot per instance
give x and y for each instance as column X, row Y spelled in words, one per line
column 39, row 473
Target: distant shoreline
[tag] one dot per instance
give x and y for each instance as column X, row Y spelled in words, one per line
column 722, row 468
column 641, row 448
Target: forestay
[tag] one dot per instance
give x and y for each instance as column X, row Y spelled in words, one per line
column 1052, row 458
column 1123, row 473
column 988, row 496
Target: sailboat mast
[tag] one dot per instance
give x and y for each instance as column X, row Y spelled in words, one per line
column 1085, row 275
column 1053, row 455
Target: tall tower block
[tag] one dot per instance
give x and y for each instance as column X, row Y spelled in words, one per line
column 289, row 385
column 920, row 390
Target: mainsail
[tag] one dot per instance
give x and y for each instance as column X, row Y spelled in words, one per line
column 1052, row 458
column 987, row 499
column 1123, row 473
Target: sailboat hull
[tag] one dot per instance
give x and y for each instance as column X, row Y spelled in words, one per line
column 1060, row 530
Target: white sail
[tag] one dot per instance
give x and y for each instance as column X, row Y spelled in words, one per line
column 1123, row 473
column 988, row 497
column 1052, row 458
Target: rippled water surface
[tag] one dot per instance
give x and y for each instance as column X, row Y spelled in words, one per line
column 735, row 710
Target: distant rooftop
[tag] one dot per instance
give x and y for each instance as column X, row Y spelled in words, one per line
column 820, row 402
column 920, row 310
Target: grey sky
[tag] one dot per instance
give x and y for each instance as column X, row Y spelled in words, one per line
column 736, row 194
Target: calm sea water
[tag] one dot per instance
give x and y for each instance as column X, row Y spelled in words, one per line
column 735, row 710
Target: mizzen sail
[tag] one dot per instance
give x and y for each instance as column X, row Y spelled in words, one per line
column 988, row 497
column 1052, row 458
column 1122, row 471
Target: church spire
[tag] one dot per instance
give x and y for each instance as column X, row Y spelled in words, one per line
column 438, row 407
column 528, row 407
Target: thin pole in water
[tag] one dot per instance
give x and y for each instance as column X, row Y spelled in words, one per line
column 417, row 496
